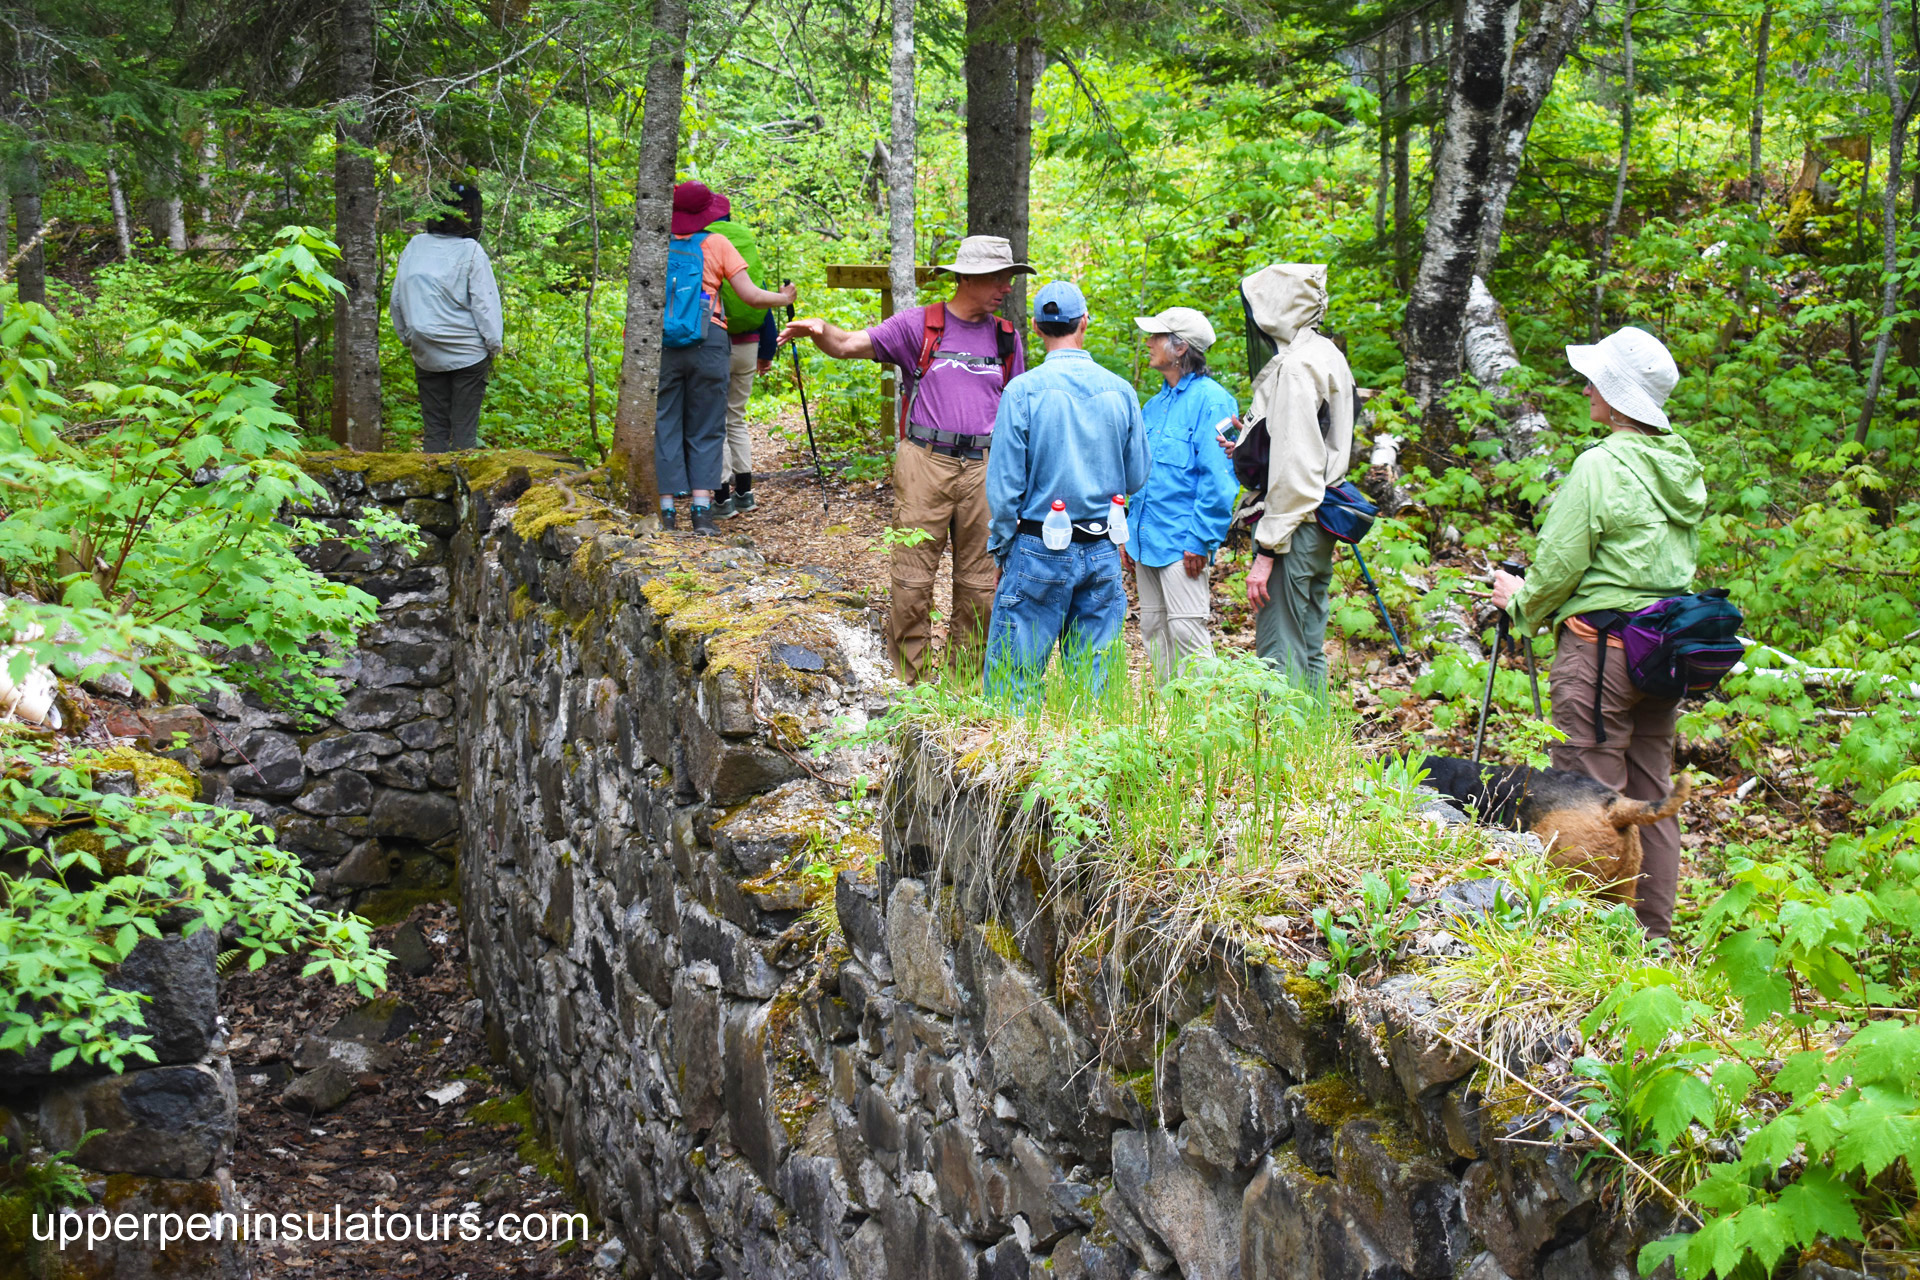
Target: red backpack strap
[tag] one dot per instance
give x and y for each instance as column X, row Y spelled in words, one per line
column 1006, row 342
column 934, row 327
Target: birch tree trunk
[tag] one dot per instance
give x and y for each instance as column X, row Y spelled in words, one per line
column 1490, row 357
column 1902, row 105
column 117, row 199
column 356, row 205
column 1612, row 226
column 1494, row 90
column 900, row 169
column 31, row 272
column 1384, row 144
column 633, row 417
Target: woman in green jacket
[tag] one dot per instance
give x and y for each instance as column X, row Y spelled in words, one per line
column 1621, row 533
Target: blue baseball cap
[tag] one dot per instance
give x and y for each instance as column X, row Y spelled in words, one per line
column 1059, row 300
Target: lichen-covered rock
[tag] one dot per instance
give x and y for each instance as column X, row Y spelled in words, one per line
column 920, row 950
column 1195, row 1215
column 1235, row 1103
column 1408, row 1201
column 1285, row 1017
column 144, row 1198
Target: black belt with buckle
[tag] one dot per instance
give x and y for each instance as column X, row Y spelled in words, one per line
column 951, row 443
column 1092, row 531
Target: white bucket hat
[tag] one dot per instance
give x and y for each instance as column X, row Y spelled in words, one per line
column 984, row 256
column 1633, row 371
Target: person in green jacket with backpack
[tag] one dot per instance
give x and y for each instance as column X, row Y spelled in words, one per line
column 1621, row 533
column 751, row 331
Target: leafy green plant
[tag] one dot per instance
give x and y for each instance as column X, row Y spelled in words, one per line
column 98, row 872
column 144, row 514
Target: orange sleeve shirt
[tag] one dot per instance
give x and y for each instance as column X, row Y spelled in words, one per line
column 721, row 262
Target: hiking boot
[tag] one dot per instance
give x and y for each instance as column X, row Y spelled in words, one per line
column 743, row 503
column 724, row 508
column 703, row 521
column 668, row 519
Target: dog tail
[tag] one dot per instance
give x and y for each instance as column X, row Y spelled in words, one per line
column 1644, row 813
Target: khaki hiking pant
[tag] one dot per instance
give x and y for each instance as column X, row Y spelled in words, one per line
column 1636, row 759
column 947, row 497
column 1173, row 616
column 741, row 367
column 1290, row 631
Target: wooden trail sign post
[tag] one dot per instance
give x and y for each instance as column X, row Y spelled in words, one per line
column 865, row 276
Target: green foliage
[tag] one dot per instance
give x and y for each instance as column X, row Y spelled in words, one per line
column 144, row 865
column 144, row 512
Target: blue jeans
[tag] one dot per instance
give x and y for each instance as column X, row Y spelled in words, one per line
column 1072, row 598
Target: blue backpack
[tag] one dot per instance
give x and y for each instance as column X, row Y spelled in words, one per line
column 688, row 305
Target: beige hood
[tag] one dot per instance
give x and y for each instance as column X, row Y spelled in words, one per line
column 1287, row 298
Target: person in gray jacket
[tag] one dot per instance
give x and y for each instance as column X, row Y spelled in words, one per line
column 446, row 309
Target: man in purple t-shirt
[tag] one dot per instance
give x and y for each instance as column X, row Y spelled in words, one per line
column 940, row 464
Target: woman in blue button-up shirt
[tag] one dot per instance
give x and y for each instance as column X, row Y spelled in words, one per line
column 1182, row 514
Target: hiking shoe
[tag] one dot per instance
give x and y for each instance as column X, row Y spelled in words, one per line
column 743, row 503
column 703, row 521
column 725, row 508
column 668, row 519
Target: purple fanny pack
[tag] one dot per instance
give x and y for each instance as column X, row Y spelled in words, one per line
column 1674, row 648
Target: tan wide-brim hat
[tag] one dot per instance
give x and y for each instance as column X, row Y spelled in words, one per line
column 1183, row 323
column 984, row 256
column 1633, row 371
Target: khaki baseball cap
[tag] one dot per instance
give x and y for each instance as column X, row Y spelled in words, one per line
column 1182, row 322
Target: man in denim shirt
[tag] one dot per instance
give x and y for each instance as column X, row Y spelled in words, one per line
column 1182, row 515
column 1067, row 430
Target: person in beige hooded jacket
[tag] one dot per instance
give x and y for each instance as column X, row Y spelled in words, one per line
column 1305, row 394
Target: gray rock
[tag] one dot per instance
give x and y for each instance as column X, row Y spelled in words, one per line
column 863, row 923
column 342, row 750
column 319, row 1091
column 409, row 771
column 340, row 792
column 747, row 1090
column 1284, row 1017
column 356, row 1057
column 1235, row 1103
column 425, row 735
column 170, row 1122
column 381, row 709
column 413, row 815
column 1407, row 1200
column 367, row 864
column 177, row 976
column 410, row 950
column 271, row 765
column 1196, row 1217
column 919, row 950
column 380, row 1020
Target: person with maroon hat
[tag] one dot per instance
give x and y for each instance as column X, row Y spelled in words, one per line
column 690, row 417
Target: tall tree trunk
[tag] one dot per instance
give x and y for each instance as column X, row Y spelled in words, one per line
column 1402, row 175
column 117, row 200
column 633, row 419
column 31, row 271
column 1757, row 117
column 1902, row 106
column 1612, row 225
column 593, row 278
column 1494, row 90
column 1384, row 176
column 356, row 209
column 999, row 126
column 900, row 170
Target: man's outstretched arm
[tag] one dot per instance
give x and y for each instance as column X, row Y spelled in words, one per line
column 841, row 344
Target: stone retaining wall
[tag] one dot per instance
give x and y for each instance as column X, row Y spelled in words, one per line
column 924, row 1099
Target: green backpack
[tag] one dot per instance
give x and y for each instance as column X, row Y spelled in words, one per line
column 741, row 318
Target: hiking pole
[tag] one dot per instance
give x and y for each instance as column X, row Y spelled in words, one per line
column 1493, row 666
column 1362, row 562
column 805, row 414
column 1525, row 643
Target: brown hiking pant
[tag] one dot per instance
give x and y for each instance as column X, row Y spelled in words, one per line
column 946, row 496
column 1636, row 759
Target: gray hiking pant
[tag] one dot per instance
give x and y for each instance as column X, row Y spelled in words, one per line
column 690, row 423
column 1290, row 632
column 450, row 406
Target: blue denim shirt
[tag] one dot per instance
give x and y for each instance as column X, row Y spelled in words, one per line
column 1187, row 504
column 1069, row 430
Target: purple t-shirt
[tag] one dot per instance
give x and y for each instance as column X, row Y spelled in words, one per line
column 962, row 387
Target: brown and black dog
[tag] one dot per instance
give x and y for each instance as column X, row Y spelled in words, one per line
column 1587, row 826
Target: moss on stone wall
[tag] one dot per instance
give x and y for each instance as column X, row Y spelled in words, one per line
column 153, row 775
column 483, row 468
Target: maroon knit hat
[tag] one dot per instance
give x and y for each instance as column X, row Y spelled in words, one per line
column 694, row 206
